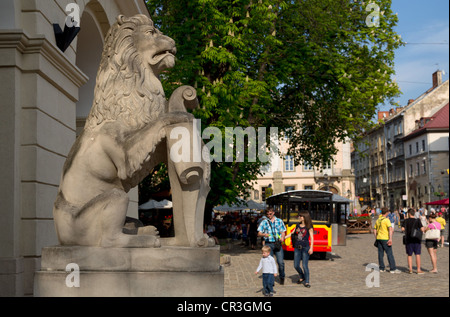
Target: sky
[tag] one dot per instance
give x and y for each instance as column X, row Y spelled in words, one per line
column 424, row 25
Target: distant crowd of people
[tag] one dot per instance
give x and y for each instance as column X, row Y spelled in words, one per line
column 235, row 226
column 398, row 215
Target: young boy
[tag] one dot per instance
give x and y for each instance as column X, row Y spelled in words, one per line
column 269, row 270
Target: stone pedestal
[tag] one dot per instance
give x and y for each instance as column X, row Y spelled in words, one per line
column 160, row 272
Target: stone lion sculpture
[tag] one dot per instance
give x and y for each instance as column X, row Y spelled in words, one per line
column 125, row 136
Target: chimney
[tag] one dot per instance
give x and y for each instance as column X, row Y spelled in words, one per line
column 410, row 101
column 382, row 114
column 437, row 78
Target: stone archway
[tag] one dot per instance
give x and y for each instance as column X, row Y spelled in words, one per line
column 94, row 26
column 330, row 188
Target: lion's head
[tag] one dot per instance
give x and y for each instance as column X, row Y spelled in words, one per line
column 128, row 87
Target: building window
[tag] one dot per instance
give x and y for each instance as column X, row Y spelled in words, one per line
column 417, row 169
column 308, row 187
column 424, row 167
column 423, row 145
column 326, row 165
column 307, row 166
column 266, row 192
column 410, row 149
column 411, row 170
column 417, row 147
column 288, row 188
column 288, row 163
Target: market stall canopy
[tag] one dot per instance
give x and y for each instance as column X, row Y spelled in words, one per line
column 224, row 207
column 438, row 202
column 241, row 205
column 254, row 205
column 153, row 204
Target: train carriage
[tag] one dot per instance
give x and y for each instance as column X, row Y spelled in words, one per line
column 328, row 212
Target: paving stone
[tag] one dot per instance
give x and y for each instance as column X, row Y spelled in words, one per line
column 342, row 274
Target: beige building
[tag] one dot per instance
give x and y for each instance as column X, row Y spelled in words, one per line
column 45, row 95
column 284, row 174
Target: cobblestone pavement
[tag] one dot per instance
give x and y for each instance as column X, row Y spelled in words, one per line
column 342, row 274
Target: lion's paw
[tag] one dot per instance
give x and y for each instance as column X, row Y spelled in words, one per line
column 148, row 230
column 206, row 242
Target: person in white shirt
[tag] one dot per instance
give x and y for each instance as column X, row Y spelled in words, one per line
column 210, row 231
column 269, row 270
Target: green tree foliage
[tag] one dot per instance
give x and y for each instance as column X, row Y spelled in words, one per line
column 313, row 68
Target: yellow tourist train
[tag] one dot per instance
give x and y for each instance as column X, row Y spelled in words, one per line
column 328, row 212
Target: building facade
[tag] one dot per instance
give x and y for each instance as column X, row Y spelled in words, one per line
column 379, row 159
column 45, row 95
column 395, row 160
column 284, row 174
column 426, row 159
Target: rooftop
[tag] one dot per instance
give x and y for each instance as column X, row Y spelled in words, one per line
column 439, row 121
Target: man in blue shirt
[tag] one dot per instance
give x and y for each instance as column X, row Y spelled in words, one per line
column 393, row 218
column 273, row 229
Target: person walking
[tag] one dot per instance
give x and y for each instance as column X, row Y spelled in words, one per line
column 423, row 216
column 416, row 214
column 269, row 270
column 443, row 223
column 402, row 216
column 431, row 243
column 383, row 232
column 274, row 231
column 413, row 230
column 253, row 232
column 211, row 232
column 303, row 241
column 393, row 219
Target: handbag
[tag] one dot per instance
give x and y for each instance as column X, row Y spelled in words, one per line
column 277, row 246
column 433, row 234
column 416, row 232
column 375, row 244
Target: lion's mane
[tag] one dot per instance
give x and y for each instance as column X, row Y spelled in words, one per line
column 121, row 91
